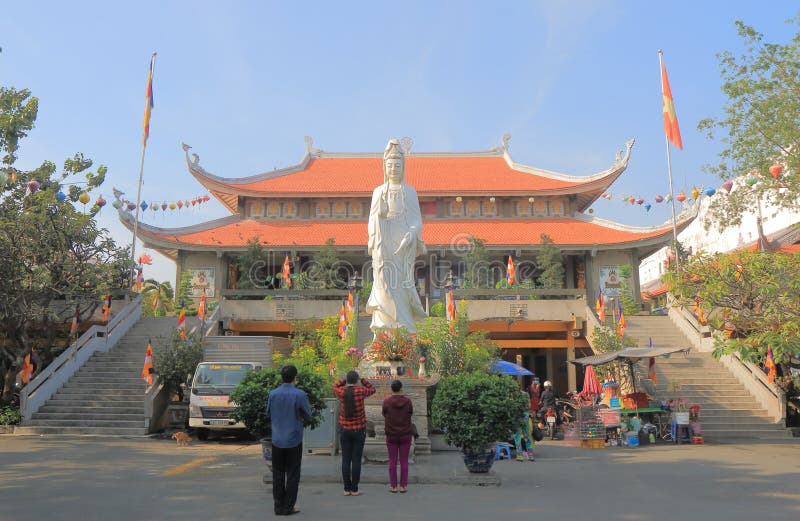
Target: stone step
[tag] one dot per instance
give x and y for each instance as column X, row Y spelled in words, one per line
column 91, row 393
column 99, row 409
column 106, row 377
column 702, row 380
column 93, row 401
column 731, row 421
column 690, row 387
column 704, row 393
column 89, row 422
column 91, row 415
column 128, row 386
column 23, row 430
column 111, row 369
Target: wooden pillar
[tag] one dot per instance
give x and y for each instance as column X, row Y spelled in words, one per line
column 571, row 373
column 551, row 372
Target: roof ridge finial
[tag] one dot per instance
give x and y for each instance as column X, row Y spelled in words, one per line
column 506, row 138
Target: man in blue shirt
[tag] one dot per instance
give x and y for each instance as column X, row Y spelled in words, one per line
column 287, row 408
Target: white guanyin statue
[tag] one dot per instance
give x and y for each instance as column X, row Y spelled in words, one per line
column 395, row 241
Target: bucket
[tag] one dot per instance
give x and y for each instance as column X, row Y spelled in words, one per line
column 681, row 418
column 633, row 439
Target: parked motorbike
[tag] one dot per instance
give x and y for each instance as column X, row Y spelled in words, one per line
column 551, row 422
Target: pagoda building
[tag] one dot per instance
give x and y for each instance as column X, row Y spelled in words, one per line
column 295, row 211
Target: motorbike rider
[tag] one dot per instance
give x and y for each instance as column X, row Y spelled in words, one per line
column 547, row 399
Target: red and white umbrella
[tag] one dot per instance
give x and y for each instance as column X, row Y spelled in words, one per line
column 591, row 385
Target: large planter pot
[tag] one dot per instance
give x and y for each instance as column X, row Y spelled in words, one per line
column 481, row 461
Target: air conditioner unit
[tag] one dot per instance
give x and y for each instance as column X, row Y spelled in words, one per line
column 575, row 333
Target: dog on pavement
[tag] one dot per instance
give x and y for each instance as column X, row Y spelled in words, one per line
column 181, row 438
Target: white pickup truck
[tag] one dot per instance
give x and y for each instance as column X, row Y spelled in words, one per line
column 209, row 400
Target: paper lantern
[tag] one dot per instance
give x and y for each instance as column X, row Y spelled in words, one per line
column 659, row 198
column 194, row 202
column 171, row 206
column 695, row 193
column 639, row 201
column 83, row 198
column 61, row 196
column 131, row 207
column 668, row 198
column 145, row 259
column 33, row 186
column 143, row 206
column 751, row 180
column 154, row 207
column 100, row 202
column 116, row 204
column 206, row 198
column 591, row 210
column 164, row 207
column 727, row 185
column 631, row 199
column 776, row 170
column 710, row 192
column 186, row 203
column 681, row 197
column 648, row 206
column 13, row 176
column 180, row 205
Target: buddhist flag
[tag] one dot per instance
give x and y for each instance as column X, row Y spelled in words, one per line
column 73, row 329
column 201, row 311
column 451, row 310
column 139, row 278
column 342, row 322
column 182, row 322
column 107, row 308
column 770, row 365
column 287, row 272
column 147, row 369
column 670, row 118
column 510, row 271
column 600, row 306
column 26, row 375
column 349, row 301
column 621, row 322
column 651, row 370
column 148, row 102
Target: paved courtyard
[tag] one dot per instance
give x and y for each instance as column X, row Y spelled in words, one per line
column 92, row 478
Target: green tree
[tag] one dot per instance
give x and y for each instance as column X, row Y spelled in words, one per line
column 174, row 360
column 629, row 303
column 52, row 256
column 183, row 296
column 760, row 126
column 551, row 264
column 325, row 270
column 750, row 298
column 252, row 264
column 477, row 268
column 157, row 300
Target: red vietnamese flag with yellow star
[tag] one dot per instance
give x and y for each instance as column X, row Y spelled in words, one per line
column 670, row 118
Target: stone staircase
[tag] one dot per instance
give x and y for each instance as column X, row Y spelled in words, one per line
column 727, row 410
column 106, row 396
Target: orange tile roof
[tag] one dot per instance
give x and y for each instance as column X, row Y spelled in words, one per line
column 501, row 232
column 425, row 174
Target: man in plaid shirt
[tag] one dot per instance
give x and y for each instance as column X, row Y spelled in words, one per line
column 352, row 427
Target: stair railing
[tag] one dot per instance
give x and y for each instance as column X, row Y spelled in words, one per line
column 768, row 395
column 95, row 339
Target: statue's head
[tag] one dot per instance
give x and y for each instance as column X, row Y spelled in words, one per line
column 393, row 162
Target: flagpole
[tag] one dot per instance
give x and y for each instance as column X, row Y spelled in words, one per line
column 669, row 172
column 139, row 194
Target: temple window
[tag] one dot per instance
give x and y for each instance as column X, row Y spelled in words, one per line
column 557, row 208
column 339, row 209
column 289, row 209
column 273, row 209
column 488, row 208
column 523, row 207
column 255, row 208
column 427, row 208
column 354, row 209
column 456, row 208
column 322, row 209
column 473, row 208
column 540, row 208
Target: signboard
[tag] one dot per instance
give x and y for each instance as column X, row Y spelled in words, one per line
column 201, row 278
column 610, row 281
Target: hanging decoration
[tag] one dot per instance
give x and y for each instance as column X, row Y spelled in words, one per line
column 648, row 206
column 710, row 191
column 83, row 198
column 33, row 186
column 659, row 198
column 695, row 193
column 727, row 185
column 61, row 196
column 776, row 170
column 121, row 203
column 100, row 202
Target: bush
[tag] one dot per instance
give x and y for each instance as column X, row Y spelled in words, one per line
column 174, row 359
column 437, row 310
column 253, row 391
column 477, row 409
column 10, row 416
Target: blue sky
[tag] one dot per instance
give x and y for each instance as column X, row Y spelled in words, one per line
column 243, row 82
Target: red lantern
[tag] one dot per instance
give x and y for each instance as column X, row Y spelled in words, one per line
column 727, row 185
column 164, row 207
column 631, row 200
column 659, row 198
column 681, row 197
column 206, row 198
column 639, row 201
column 194, row 202
column 180, row 205
column 776, row 170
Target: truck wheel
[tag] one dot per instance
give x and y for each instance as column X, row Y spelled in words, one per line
column 202, row 434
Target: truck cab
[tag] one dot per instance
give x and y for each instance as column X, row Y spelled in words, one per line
column 209, row 400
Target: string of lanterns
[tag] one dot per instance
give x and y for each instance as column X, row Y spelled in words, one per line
column 126, row 205
column 695, row 193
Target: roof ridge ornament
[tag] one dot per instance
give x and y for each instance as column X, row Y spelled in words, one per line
column 406, row 143
column 505, row 139
column 195, row 162
column 623, row 159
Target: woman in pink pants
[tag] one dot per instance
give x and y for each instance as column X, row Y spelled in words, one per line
column 397, row 412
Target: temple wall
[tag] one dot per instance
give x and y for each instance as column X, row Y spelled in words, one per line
column 210, row 262
column 612, row 258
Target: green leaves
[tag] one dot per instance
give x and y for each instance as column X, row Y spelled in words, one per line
column 478, row 409
column 174, row 359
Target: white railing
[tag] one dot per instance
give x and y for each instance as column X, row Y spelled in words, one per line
column 96, row 338
column 768, row 395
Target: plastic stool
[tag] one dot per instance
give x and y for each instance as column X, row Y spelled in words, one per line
column 503, row 451
column 697, row 440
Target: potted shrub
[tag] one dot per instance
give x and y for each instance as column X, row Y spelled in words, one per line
column 475, row 410
column 251, row 396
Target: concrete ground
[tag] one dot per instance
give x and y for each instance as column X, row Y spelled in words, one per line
column 126, row 479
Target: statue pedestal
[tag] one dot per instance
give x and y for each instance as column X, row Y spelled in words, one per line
column 416, row 390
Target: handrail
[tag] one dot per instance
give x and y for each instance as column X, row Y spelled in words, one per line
column 210, row 320
column 293, row 293
column 96, row 338
column 539, row 292
column 751, row 376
